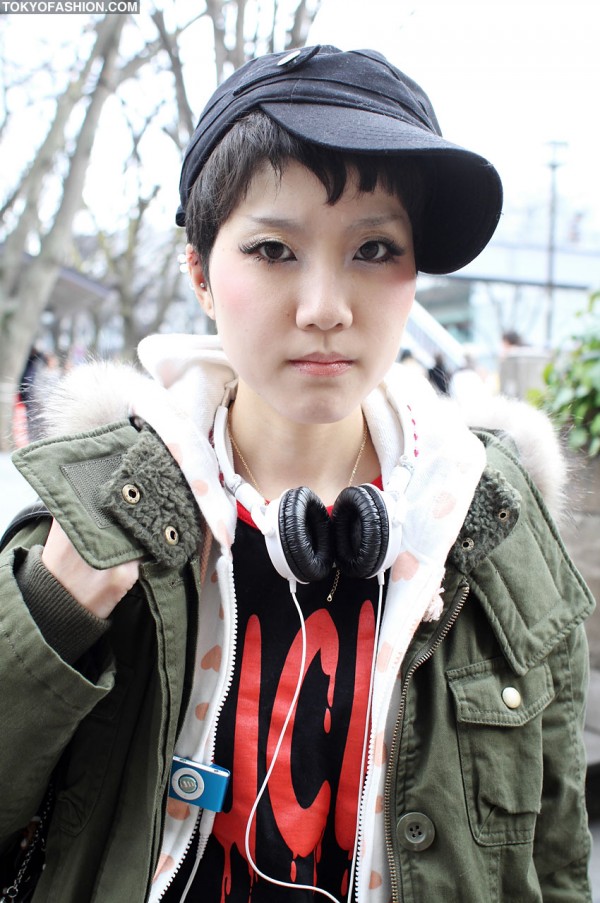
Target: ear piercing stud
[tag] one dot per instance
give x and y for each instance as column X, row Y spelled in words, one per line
column 183, row 268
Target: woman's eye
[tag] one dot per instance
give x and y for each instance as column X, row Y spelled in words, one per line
column 377, row 251
column 275, row 250
column 271, row 251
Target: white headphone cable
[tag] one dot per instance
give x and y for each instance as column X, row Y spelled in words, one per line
column 366, row 741
column 267, row 777
column 263, row 787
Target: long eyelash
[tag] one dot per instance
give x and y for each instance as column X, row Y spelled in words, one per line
column 394, row 250
column 254, row 247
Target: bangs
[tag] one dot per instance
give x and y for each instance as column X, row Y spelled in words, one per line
column 256, row 140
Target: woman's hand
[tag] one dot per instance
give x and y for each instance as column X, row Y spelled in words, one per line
column 98, row 591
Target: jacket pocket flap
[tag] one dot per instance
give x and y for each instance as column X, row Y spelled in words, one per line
column 489, row 693
column 67, row 474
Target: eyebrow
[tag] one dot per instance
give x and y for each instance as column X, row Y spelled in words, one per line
column 276, row 222
column 381, row 220
column 273, row 222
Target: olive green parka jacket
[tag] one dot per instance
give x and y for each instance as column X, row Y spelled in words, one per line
column 485, row 782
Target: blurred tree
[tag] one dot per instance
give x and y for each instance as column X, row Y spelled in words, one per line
column 145, row 277
column 243, row 29
column 24, row 290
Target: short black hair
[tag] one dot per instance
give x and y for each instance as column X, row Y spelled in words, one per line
column 256, row 139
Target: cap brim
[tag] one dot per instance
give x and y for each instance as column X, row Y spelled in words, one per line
column 352, row 128
column 463, row 206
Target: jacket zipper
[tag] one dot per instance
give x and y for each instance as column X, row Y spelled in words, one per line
column 420, row 659
column 203, row 839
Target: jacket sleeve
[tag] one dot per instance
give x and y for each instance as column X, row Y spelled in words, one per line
column 65, row 624
column 42, row 702
column 562, row 841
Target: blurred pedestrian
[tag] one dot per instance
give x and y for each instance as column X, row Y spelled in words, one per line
column 29, row 390
column 407, row 359
column 439, row 375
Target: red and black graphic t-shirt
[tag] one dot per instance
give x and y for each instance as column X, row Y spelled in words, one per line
column 305, row 826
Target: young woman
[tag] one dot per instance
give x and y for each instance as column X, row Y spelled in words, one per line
column 295, row 632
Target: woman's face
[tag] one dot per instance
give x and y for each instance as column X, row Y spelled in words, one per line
column 310, row 299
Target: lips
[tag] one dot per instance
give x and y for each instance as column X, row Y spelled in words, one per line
column 322, row 364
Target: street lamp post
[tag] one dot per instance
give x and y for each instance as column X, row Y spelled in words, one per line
column 556, row 148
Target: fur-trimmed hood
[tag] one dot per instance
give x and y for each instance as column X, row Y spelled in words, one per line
column 535, row 440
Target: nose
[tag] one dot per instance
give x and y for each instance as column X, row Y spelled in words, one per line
column 324, row 302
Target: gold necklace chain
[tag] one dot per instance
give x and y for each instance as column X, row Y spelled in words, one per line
column 350, row 481
column 243, row 460
column 253, row 479
column 360, row 451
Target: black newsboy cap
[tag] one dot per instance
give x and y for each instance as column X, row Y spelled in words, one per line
column 357, row 102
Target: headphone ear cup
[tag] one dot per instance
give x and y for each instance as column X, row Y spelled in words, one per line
column 305, row 534
column 361, row 531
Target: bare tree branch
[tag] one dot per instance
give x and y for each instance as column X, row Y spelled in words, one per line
column 32, row 181
column 238, row 54
column 214, row 9
column 171, row 46
column 151, row 49
column 274, row 18
column 303, row 19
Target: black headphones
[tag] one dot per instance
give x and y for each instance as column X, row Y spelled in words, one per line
column 306, row 543
column 361, row 538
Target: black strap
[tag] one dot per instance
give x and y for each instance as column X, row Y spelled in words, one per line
column 23, row 863
column 32, row 514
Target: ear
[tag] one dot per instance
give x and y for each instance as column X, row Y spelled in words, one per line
column 199, row 281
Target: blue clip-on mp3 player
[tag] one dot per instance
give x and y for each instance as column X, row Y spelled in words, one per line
column 199, row 785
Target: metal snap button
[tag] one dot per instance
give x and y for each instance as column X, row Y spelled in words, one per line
column 131, row 494
column 297, row 57
column 511, row 697
column 286, row 60
column 171, row 535
column 415, row 831
column 503, row 514
column 468, row 544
